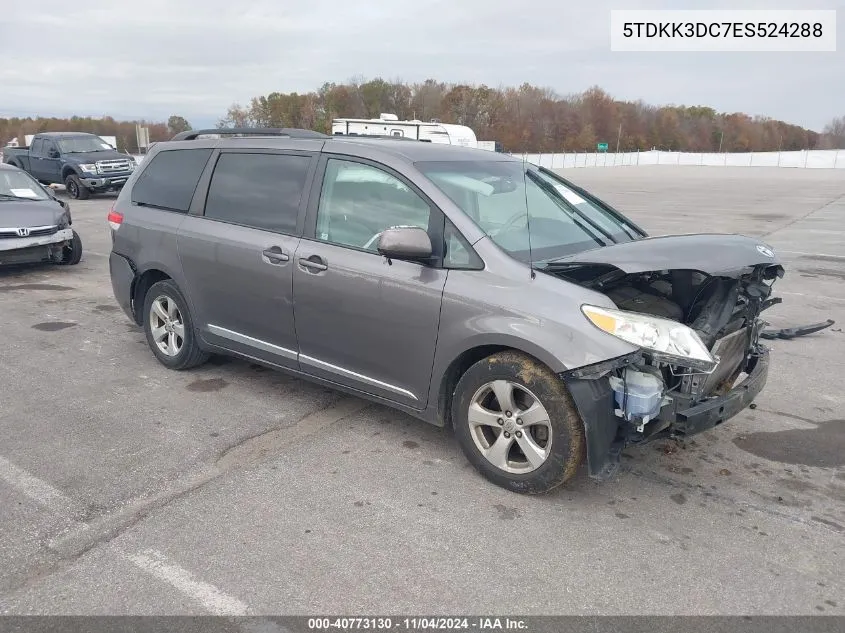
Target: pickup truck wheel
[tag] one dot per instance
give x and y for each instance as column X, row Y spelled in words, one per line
column 169, row 327
column 75, row 188
column 517, row 423
column 72, row 254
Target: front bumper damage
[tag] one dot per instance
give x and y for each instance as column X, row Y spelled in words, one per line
column 31, row 250
column 607, row 434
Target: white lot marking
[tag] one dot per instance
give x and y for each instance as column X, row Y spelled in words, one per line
column 217, row 602
column 39, row 491
column 813, row 254
column 801, row 294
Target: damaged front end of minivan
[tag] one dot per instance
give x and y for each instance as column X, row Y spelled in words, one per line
column 692, row 304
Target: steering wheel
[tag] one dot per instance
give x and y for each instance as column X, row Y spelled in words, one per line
column 507, row 225
column 373, row 240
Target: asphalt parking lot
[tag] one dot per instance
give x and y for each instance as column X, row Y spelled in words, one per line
column 126, row 488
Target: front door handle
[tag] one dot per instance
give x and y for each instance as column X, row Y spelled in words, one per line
column 313, row 264
column 275, row 255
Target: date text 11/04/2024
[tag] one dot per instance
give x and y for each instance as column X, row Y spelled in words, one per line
column 417, row 624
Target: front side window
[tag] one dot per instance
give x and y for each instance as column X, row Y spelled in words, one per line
column 458, row 253
column 262, row 191
column 522, row 211
column 170, row 179
column 359, row 201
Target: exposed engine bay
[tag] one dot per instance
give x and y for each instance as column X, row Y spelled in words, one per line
column 655, row 396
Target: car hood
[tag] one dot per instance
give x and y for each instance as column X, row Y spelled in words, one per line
column 14, row 215
column 713, row 254
column 93, row 157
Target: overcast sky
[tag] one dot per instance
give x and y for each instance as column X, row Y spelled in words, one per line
column 155, row 58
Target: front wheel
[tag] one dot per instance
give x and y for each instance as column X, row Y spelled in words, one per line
column 75, row 188
column 517, row 423
column 169, row 328
column 72, row 254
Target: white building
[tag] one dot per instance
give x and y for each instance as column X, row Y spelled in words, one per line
column 390, row 125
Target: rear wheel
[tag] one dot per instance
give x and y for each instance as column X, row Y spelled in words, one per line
column 72, row 254
column 169, row 327
column 517, row 424
column 75, row 188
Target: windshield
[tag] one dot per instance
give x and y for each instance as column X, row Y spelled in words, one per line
column 17, row 184
column 528, row 213
column 82, row 144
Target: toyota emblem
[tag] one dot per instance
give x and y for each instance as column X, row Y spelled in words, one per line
column 22, row 232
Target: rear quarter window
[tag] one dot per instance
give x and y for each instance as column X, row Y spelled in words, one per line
column 170, row 179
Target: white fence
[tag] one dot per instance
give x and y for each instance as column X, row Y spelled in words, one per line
column 815, row 159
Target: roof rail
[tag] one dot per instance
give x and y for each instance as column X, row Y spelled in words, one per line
column 289, row 132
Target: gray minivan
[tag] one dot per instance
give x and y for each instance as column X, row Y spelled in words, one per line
column 467, row 288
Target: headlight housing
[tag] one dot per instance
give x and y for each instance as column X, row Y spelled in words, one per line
column 89, row 168
column 667, row 340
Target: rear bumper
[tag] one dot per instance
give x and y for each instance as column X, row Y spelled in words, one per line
column 122, row 280
column 607, row 434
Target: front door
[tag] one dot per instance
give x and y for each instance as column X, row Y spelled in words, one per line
column 49, row 164
column 238, row 255
column 37, row 162
column 361, row 320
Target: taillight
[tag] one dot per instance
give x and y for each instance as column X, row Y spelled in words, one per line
column 115, row 219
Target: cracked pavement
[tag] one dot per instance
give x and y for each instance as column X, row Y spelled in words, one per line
column 126, row 488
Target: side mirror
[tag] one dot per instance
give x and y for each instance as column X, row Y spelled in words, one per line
column 405, row 242
column 53, row 153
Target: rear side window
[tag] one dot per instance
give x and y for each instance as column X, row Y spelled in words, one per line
column 170, row 179
column 37, row 146
column 262, row 191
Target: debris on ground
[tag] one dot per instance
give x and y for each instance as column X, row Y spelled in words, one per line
column 793, row 332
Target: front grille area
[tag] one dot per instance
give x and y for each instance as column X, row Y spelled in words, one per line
column 35, row 231
column 106, row 167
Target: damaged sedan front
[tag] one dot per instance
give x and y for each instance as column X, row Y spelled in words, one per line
column 35, row 226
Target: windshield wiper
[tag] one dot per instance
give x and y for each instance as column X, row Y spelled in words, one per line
column 623, row 221
column 573, row 212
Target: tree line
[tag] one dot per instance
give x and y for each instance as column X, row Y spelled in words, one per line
column 532, row 119
column 523, row 119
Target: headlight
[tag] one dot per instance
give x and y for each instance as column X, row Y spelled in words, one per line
column 669, row 340
column 91, row 169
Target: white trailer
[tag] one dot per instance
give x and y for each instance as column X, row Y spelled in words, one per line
column 390, row 125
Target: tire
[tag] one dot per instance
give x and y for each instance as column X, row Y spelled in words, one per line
column 72, row 254
column 552, row 433
column 170, row 301
column 75, row 188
